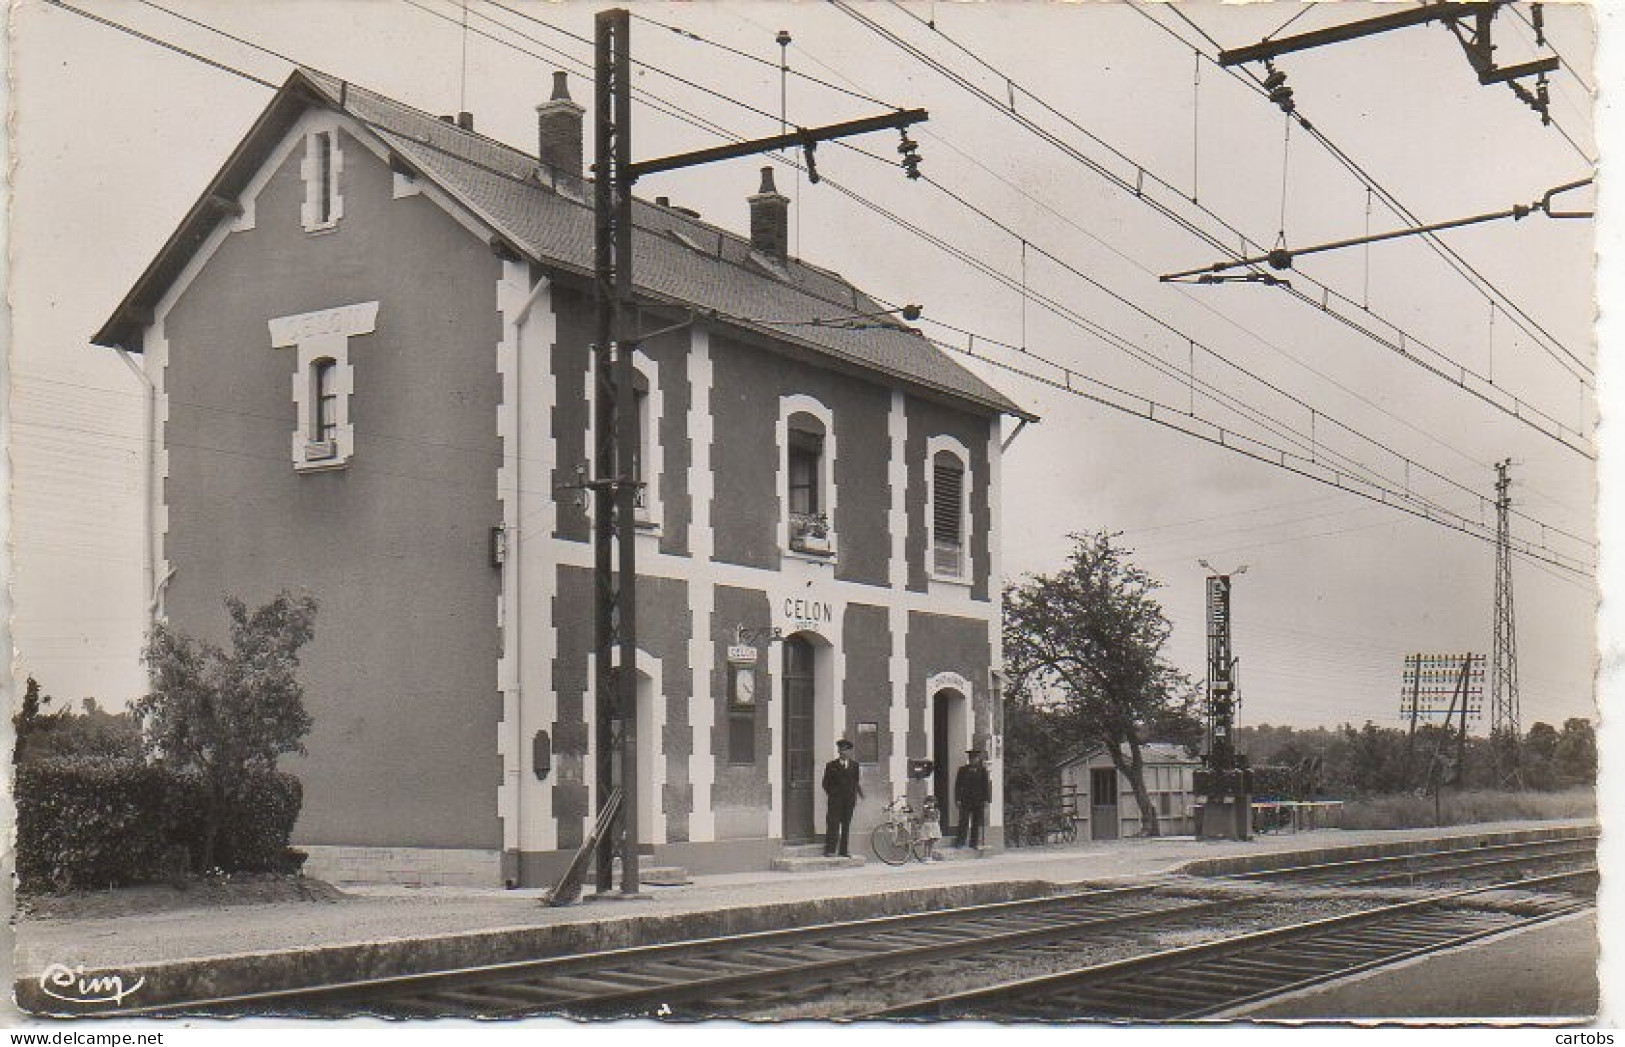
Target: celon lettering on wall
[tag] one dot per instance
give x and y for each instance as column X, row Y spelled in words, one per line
column 323, row 380
column 803, row 612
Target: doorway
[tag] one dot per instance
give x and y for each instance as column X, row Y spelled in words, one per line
column 1103, row 803
column 949, row 739
column 800, row 754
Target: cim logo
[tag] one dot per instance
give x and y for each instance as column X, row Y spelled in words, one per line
column 71, row 985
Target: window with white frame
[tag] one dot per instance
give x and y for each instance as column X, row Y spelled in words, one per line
column 324, row 421
column 807, row 484
column 641, row 471
column 948, row 517
column 648, row 458
column 323, row 380
column 323, row 205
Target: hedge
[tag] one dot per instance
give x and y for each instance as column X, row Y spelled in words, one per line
column 105, row 823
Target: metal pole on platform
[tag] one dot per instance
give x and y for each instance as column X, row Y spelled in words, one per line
column 614, row 492
column 615, row 408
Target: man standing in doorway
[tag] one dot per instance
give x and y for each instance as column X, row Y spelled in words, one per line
column 843, row 791
column 973, row 788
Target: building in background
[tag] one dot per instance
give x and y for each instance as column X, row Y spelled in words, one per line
column 1103, row 799
column 369, row 344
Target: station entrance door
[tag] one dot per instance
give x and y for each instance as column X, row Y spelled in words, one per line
column 800, row 758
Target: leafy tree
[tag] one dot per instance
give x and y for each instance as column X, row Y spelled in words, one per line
column 1574, row 759
column 91, row 732
column 1091, row 637
column 1038, row 736
column 223, row 713
column 1539, row 756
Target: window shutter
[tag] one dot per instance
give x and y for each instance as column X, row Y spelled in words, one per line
column 948, row 492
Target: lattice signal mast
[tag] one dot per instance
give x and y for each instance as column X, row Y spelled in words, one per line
column 1504, row 727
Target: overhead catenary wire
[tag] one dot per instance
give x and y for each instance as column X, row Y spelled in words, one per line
column 1260, row 451
column 1254, row 85
column 1402, row 342
column 1425, row 511
column 1203, row 302
column 1250, row 80
column 689, row 34
column 983, row 339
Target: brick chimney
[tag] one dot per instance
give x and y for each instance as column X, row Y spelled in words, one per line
column 770, row 220
column 558, row 125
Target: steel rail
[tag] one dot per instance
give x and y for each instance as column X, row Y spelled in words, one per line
column 850, row 964
column 1307, row 872
column 658, row 951
column 1176, row 978
column 625, row 980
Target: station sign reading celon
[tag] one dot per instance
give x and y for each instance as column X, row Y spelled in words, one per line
column 804, row 611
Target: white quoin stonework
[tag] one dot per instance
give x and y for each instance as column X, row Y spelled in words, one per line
column 524, row 606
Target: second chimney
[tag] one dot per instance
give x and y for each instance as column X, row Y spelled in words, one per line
column 770, row 220
column 558, row 125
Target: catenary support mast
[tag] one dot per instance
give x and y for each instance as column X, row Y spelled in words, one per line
column 614, row 487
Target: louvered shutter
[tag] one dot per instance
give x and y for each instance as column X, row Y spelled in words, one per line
column 947, row 514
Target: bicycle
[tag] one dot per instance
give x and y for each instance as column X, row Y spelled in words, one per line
column 897, row 839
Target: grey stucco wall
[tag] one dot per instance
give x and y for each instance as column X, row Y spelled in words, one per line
column 401, row 677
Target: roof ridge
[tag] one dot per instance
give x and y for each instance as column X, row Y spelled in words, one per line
column 435, row 119
column 535, row 161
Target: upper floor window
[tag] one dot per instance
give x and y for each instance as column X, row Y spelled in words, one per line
column 324, row 396
column 640, row 470
column 323, row 205
column 647, row 462
column 323, row 380
column 949, row 509
column 324, row 176
column 806, row 463
column 807, row 487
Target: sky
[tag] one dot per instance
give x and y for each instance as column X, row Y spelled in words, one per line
column 115, row 138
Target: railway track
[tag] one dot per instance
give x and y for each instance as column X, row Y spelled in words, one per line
column 1211, row 979
column 1404, row 868
column 744, row 974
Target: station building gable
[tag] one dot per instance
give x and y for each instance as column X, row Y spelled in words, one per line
column 369, row 349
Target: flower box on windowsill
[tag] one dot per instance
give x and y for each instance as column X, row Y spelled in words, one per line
column 321, row 450
column 817, row 545
column 810, row 534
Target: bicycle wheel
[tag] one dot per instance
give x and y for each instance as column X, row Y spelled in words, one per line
column 892, row 842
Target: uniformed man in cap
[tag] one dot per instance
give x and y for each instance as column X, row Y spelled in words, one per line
column 973, row 789
column 843, row 791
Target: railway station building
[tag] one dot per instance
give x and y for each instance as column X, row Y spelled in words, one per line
column 368, row 347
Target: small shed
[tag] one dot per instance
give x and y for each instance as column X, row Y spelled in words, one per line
column 1104, row 801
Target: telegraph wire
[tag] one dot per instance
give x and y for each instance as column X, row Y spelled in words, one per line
column 166, row 45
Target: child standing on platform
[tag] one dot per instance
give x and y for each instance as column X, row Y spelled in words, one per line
column 930, row 830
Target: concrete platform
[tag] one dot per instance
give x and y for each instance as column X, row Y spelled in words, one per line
column 388, row 930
